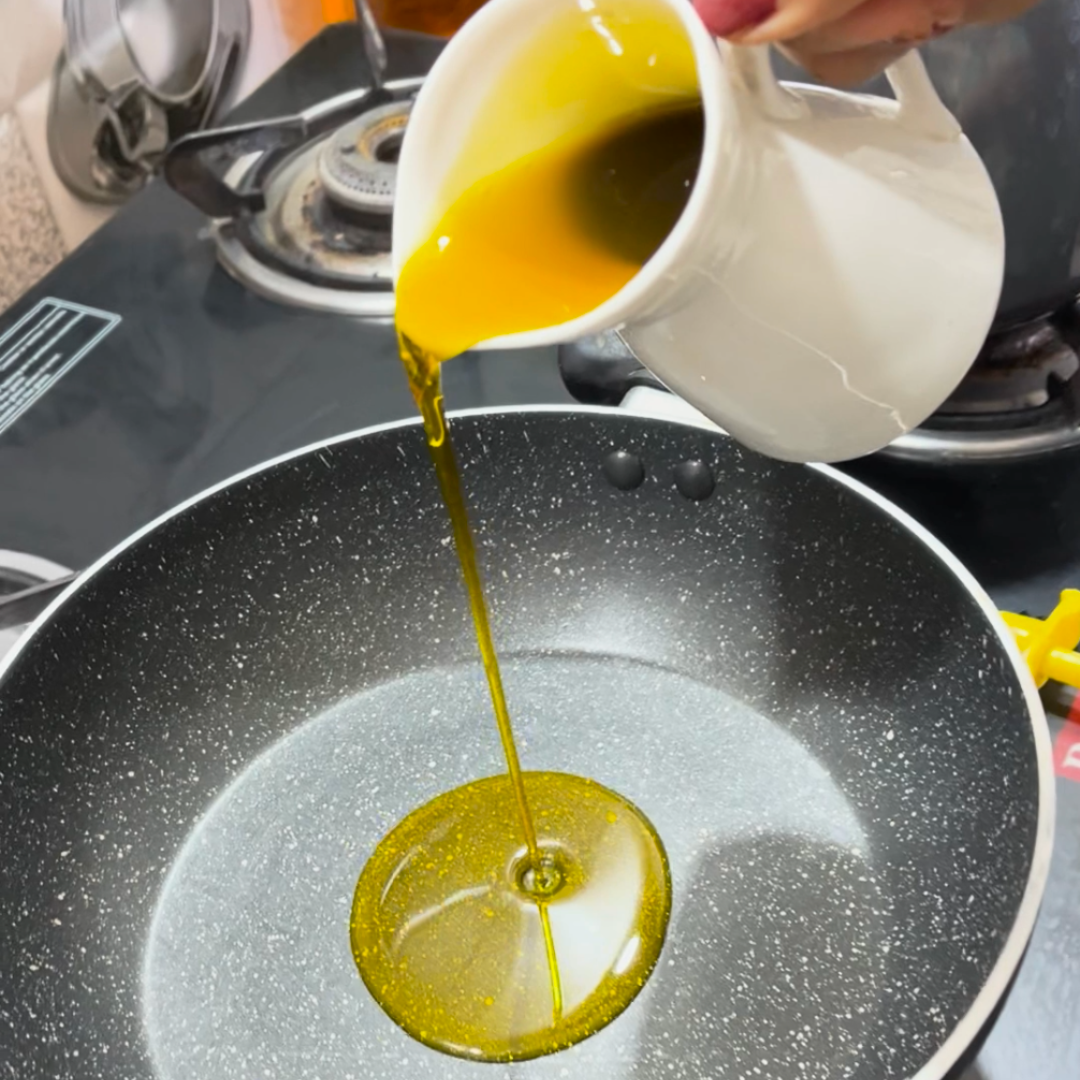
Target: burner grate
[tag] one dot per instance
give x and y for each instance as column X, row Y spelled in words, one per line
column 358, row 164
column 303, row 207
column 1021, row 399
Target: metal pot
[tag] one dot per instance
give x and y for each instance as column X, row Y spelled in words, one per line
column 817, row 707
column 135, row 75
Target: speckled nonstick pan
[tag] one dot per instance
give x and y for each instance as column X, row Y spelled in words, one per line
column 203, row 739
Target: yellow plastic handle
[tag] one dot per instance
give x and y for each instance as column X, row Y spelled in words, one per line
column 1048, row 644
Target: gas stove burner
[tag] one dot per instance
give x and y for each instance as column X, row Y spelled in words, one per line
column 1020, row 399
column 1016, row 372
column 303, row 208
column 358, row 164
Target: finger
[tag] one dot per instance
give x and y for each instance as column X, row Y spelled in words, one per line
column 852, row 24
column 793, row 18
column 846, row 68
column 786, row 18
column 724, row 17
column 877, row 22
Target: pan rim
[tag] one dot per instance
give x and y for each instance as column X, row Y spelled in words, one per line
column 993, row 989
column 1012, row 952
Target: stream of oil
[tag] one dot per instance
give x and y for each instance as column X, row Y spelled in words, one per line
column 521, row 913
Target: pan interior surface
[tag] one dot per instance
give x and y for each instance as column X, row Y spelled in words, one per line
column 307, row 813
column 814, row 713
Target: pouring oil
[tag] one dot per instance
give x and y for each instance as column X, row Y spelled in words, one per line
column 519, row 914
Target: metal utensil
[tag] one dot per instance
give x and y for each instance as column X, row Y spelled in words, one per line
column 374, row 46
column 17, row 609
column 136, row 74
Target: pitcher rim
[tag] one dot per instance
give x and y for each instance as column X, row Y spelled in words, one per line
column 715, row 98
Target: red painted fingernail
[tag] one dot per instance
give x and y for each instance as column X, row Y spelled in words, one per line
column 726, row 17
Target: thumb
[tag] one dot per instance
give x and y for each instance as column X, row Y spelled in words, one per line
column 725, row 17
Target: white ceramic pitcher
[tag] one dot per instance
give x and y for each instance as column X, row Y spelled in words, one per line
column 833, row 275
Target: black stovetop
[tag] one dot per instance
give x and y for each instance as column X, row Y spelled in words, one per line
column 199, row 378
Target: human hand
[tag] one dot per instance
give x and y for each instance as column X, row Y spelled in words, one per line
column 847, row 41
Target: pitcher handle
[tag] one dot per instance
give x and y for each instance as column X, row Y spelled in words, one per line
column 921, row 110
column 753, row 68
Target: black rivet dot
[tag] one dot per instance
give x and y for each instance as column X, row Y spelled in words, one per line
column 694, row 479
column 624, row 470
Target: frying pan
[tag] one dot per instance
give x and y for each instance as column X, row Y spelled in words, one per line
column 816, row 706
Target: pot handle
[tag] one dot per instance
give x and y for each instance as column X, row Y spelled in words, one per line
column 921, row 110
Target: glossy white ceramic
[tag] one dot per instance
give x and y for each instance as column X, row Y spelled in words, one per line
column 835, row 271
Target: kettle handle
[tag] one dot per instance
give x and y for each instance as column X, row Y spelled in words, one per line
column 921, row 110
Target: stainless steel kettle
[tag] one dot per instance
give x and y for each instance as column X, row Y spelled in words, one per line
column 1015, row 89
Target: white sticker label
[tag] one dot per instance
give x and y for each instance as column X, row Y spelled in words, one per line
column 41, row 348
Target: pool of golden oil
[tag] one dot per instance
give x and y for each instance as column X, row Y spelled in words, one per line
column 521, row 913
